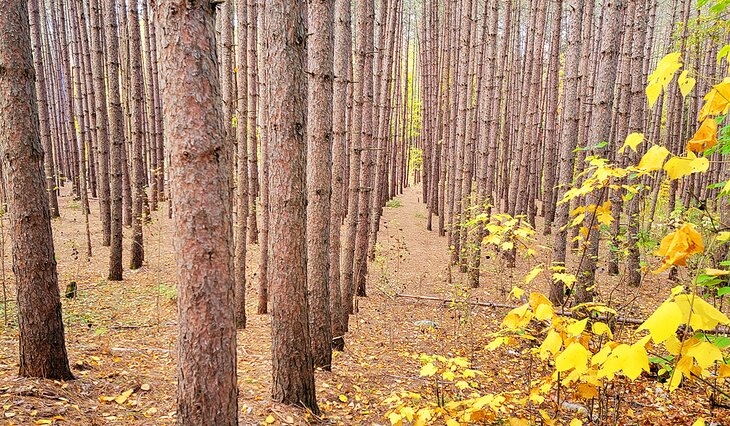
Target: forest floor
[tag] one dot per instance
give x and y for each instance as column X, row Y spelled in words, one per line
column 121, row 336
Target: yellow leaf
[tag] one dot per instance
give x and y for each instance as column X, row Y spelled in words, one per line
column 716, row 272
column 494, row 344
column 124, row 396
column 428, row 370
column 577, row 220
column 576, row 422
column 653, row 159
column 666, row 68
column 507, row 245
column 679, row 245
column 343, row 398
column 704, row 316
column 544, row 312
column 663, row 322
column 567, row 279
column 632, row 141
column 723, row 236
column 532, row 274
column 705, row 137
column 717, row 100
column 517, row 292
column 686, row 83
column 699, row 422
column 600, row 328
column 518, row 317
column 577, row 328
column 408, row 413
column 575, row 356
column 653, row 91
column 514, row 421
column 551, row 344
column 601, row 356
column 679, row 167
column 270, row 419
column 452, row 422
column 705, row 353
column 724, row 370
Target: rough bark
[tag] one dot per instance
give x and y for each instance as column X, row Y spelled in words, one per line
column 568, row 136
column 342, row 55
column 136, row 112
column 41, row 335
column 292, row 365
column 242, row 164
column 199, row 185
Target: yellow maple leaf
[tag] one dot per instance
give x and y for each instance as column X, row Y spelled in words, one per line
column 705, row 353
column 663, row 322
column 632, row 141
column 574, row 357
column 679, row 245
column 428, row 370
column 686, row 83
column 653, row 159
column 551, row 345
column 703, row 315
column 679, row 167
column 717, row 100
column 517, row 318
column 577, row 327
column 533, row 273
column 705, row 137
column 517, row 292
column 601, row 328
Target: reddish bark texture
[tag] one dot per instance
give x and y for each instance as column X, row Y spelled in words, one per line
column 200, row 190
column 41, row 340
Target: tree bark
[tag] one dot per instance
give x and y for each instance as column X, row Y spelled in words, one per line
column 199, row 185
column 41, row 335
column 292, row 365
column 242, row 164
column 136, row 112
column 320, row 57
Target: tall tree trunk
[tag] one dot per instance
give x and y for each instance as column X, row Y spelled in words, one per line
column 41, row 336
column 253, row 140
column 193, row 122
column 253, row 95
column 292, row 364
column 116, row 136
column 136, row 109
column 320, row 57
column 568, row 137
column 102, row 123
column 242, row 164
column 600, row 131
column 342, row 55
column 43, row 110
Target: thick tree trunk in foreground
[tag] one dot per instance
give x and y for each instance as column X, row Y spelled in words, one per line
column 41, row 341
column 292, row 365
column 193, row 122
